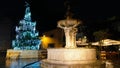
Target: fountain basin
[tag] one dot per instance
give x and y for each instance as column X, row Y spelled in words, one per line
column 71, row 54
column 71, row 58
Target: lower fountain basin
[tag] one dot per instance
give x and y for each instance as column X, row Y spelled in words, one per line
column 71, row 58
column 72, row 54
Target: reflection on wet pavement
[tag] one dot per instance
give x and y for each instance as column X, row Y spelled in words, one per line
column 35, row 63
column 22, row 63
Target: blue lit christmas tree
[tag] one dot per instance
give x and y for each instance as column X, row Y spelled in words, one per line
column 27, row 36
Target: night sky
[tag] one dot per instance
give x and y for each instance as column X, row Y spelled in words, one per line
column 93, row 14
column 47, row 12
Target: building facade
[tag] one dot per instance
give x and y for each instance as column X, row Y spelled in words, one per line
column 53, row 39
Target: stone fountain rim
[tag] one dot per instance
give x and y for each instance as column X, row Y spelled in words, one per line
column 71, row 48
column 72, row 62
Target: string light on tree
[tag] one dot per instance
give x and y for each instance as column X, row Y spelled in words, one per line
column 27, row 36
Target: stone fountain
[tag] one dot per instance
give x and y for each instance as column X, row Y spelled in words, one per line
column 71, row 56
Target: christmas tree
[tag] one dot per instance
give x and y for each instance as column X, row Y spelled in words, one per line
column 26, row 34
